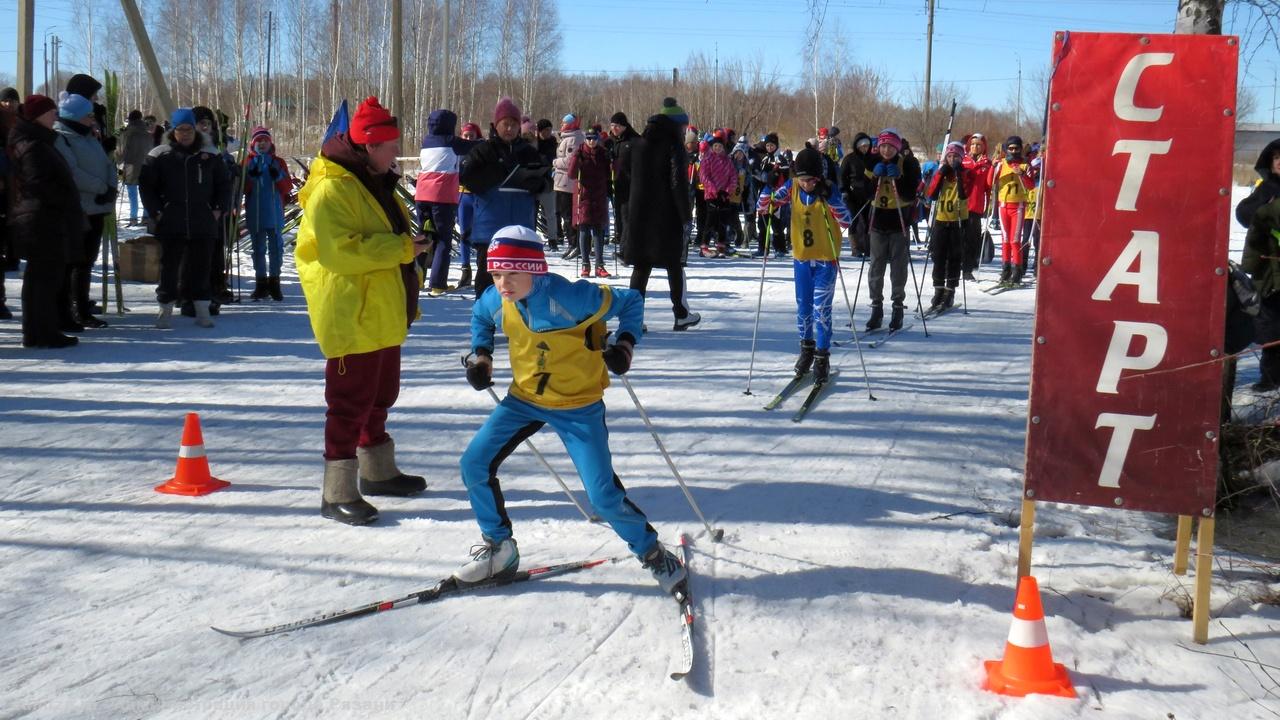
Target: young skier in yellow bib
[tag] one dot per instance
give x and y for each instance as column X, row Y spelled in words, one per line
column 818, row 220
column 560, row 367
column 947, row 190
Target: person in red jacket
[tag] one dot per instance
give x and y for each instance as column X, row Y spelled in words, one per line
column 977, row 174
column 1011, row 180
column 590, row 168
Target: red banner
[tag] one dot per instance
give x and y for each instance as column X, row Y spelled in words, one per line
column 1125, row 395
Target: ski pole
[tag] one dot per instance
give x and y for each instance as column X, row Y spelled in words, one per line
column 716, row 534
column 110, row 219
column 910, row 262
column 760, row 296
column 857, row 342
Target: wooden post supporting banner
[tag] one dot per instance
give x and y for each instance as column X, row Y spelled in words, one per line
column 1182, row 546
column 1204, row 580
column 1026, row 532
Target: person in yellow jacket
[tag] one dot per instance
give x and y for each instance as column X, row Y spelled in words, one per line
column 355, row 257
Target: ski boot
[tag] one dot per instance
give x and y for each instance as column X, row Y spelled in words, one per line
column 821, row 366
column 949, row 299
column 938, row 294
column 1006, row 273
column 341, row 499
column 805, row 361
column 490, row 561
column 202, row 313
column 895, row 321
column 666, row 568
column 1018, row 272
column 877, row 317
column 602, row 273
column 570, row 253
column 465, row 280
column 261, row 288
column 380, row 476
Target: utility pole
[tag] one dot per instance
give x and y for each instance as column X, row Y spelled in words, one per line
column 675, row 79
column 266, row 90
column 715, row 92
column 143, row 42
column 1273, row 95
column 444, row 59
column 397, row 64
column 57, row 41
column 26, row 44
column 1018, row 111
column 928, row 68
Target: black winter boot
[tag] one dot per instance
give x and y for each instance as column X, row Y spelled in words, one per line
column 1006, row 273
column 949, row 298
column 274, row 289
column 877, row 317
column 260, row 288
column 938, row 295
column 465, row 280
column 805, row 361
column 1018, row 272
column 341, row 499
column 821, row 366
column 895, row 321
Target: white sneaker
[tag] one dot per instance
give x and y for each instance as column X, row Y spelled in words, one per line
column 490, row 562
column 164, row 316
column 665, row 566
column 202, row 314
column 687, row 321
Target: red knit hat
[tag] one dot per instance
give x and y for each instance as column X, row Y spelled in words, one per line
column 516, row 248
column 36, row 105
column 373, row 123
column 505, row 108
column 890, row 138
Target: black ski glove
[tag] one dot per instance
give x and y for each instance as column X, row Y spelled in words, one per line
column 480, row 374
column 617, row 357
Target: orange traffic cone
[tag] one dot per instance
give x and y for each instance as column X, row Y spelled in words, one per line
column 192, row 476
column 1028, row 665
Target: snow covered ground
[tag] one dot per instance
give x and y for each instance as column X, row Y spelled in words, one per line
column 867, row 570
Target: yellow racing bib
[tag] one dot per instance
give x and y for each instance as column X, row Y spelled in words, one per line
column 814, row 233
column 560, row 369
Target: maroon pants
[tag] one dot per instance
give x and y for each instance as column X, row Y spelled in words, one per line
column 358, row 390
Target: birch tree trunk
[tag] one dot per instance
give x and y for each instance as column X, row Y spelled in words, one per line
column 1199, row 17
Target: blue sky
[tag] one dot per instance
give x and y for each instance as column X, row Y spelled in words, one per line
column 978, row 44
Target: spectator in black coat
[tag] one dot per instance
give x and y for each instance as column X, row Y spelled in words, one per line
column 45, row 218
column 185, row 187
column 621, row 133
column 655, row 169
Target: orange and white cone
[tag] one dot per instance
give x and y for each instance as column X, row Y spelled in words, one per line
column 192, row 476
column 1028, row 666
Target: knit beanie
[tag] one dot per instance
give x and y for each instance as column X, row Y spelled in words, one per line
column 10, row 95
column 618, row 118
column 471, row 127
column 674, row 111
column 808, row 163
column 182, row 116
column 690, row 136
column 373, row 124
column 260, row 133
column 543, row 124
column 36, row 105
column 772, row 138
column 506, row 108
column 891, row 138
column 516, row 248
column 1013, row 140
column 569, row 123
column 822, row 132
column 83, row 85
column 74, row 107
column 955, row 146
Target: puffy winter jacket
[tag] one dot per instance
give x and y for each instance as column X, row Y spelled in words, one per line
column 45, row 215
column 590, row 169
column 438, row 160
column 1267, row 189
column 349, row 263
column 93, row 170
column 135, row 143
column 504, row 179
column 569, row 142
column 183, row 187
column 267, row 188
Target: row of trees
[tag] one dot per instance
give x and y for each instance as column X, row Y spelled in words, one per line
column 216, row 53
